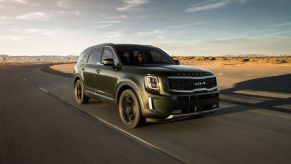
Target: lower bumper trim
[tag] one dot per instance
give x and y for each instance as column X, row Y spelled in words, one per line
column 191, row 114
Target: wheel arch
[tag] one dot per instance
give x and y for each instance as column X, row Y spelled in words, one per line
column 128, row 85
column 77, row 77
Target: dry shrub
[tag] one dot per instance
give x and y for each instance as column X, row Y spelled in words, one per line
column 233, row 59
column 281, row 61
column 245, row 60
column 212, row 58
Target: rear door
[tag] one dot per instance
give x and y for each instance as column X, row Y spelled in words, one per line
column 91, row 69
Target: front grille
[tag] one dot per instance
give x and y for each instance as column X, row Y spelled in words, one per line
column 191, row 84
column 194, row 109
column 196, row 97
column 192, row 103
column 208, row 96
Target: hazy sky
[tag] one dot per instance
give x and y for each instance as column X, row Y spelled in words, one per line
column 180, row 27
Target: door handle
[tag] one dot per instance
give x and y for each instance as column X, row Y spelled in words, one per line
column 98, row 70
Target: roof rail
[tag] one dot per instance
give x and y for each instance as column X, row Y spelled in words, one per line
column 150, row 45
column 103, row 44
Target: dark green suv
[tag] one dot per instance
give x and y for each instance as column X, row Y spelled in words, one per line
column 145, row 82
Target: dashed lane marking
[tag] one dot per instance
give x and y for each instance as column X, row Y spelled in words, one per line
column 44, row 90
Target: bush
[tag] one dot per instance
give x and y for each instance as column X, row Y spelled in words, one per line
column 212, row 58
column 245, row 60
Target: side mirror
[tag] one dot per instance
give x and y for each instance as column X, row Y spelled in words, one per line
column 177, row 62
column 108, row 62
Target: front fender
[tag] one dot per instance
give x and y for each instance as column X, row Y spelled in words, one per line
column 132, row 85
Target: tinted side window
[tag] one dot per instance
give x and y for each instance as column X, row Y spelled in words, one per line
column 108, row 54
column 158, row 58
column 81, row 57
column 85, row 56
column 94, row 56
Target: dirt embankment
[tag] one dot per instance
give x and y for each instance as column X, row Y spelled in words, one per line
column 230, row 60
column 64, row 68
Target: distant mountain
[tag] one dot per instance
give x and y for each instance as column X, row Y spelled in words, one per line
column 70, row 58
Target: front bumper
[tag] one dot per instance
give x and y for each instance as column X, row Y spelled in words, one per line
column 174, row 116
column 180, row 105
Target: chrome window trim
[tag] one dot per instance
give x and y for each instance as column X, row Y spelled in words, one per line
column 96, row 94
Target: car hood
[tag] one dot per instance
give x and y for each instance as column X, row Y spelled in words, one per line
column 168, row 70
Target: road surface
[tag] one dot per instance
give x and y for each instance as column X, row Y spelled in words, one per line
column 41, row 123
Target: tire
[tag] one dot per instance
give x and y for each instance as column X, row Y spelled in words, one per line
column 129, row 109
column 80, row 96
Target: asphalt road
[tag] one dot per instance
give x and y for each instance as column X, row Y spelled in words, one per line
column 41, row 123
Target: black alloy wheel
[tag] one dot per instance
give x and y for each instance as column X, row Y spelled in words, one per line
column 129, row 109
column 80, row 96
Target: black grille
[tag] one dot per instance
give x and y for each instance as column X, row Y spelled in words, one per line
column 208, row 96
column 191, row 84
column 193, row 109
column 190, row 104
column 196, row 97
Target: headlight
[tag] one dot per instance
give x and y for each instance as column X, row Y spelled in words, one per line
column 152, row 83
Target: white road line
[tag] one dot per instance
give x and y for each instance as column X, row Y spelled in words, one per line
column 119, row 129
column 133, row 136
column 43, row 90
column 127, row 133
column 111, row 125
column 122, row 131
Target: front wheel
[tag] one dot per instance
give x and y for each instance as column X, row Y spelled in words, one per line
column 129, row 109
column 80, row 96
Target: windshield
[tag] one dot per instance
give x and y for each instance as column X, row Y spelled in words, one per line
column 139, row 55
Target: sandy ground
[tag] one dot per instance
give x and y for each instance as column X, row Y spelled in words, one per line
column 233, row 60
column 227, row 75
column 64, row 68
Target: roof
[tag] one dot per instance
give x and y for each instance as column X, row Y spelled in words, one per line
column 112, row 44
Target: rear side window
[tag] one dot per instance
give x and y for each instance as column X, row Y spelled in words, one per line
column 85, row 55
column 95, row 56
column 81, row 57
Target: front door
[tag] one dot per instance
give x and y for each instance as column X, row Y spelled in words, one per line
column 107, row 74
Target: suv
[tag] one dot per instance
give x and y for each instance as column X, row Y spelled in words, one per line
column 145, row 82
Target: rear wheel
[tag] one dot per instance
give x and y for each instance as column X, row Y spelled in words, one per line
column 80, row 96
column 129, row 109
